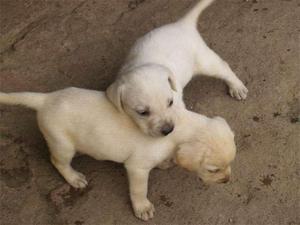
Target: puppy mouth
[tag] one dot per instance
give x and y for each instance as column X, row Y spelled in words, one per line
column 223, row 181
column 155, row 134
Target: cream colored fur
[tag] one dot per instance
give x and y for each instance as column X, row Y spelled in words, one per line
column 77, row 120
column 163, row 61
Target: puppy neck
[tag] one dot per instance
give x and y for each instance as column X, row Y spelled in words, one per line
column 188, row 125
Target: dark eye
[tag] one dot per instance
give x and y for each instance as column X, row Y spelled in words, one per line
column 170, row 102
column 214, row 171
column 144, row 112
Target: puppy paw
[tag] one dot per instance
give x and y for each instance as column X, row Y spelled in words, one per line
column 238, row 90
column 144, row 210
column 78, row 180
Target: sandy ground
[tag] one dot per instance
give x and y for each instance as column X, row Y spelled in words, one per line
column 47, row 45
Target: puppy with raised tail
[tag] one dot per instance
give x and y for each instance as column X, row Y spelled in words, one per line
column 77, row 120
column 161, row 62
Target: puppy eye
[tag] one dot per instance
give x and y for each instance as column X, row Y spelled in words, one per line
column 214, row 171
column 143, row 112
column 170, row 103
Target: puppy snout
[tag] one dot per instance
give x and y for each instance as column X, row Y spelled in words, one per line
column 167, row 128
column 225, row 180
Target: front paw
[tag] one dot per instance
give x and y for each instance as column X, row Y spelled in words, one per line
column 238, row 90
column 144, row 210
column 77, row 180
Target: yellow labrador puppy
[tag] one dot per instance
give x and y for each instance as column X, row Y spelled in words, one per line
column 77, row 120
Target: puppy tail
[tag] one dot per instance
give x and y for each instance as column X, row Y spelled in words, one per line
column 28, row 99
column 192, row 16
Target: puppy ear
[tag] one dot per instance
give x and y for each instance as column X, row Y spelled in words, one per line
column 114, row 94
column 173, row 83
column 189, row 156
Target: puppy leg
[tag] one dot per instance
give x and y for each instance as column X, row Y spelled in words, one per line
column 138, row 187
column 61, row 157
column 210, row 64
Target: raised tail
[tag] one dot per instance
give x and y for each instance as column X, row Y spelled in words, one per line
column 192, row 16
column 29, row 99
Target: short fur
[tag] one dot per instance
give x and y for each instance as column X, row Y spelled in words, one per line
column 175, row 52
column 77, row 120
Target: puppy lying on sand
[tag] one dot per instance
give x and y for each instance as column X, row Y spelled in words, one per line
column 85, row 121
column 164, row 61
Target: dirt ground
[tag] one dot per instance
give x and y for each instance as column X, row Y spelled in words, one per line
column 46, row 45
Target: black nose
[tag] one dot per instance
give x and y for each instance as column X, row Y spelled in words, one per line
column 167, row 128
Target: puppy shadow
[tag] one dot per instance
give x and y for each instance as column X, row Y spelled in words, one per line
column 202, row 91
column 105, row 174
column 20, row 123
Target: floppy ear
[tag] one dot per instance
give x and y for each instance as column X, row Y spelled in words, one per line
column 114, row 94
column 173, row 83
column 189, row 156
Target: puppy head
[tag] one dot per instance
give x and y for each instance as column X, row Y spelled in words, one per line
column 211, row 153
column 147, row 95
